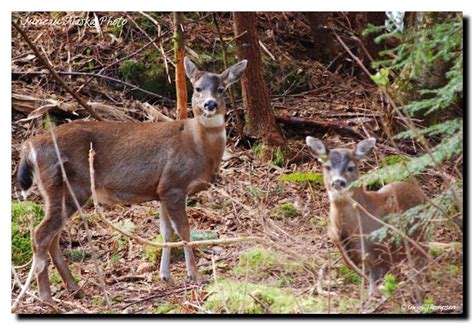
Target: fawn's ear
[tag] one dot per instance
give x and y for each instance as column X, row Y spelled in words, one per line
column 364, row 147
column 234, row 73
column 190, row 68
column 317, row 148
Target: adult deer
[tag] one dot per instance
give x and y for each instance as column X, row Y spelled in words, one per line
column 135, row 162
column 352, row 209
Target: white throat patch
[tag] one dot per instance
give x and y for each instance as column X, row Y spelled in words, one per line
column 212, row 122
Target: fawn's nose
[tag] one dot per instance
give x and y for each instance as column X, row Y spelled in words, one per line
column 338, row 184
column 210, row 105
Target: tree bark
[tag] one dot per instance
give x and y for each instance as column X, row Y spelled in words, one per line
column 324, row 46
column 260, row 117
column 180, row 74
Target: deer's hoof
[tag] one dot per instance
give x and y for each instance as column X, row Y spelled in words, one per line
column 166, row 279
column 79, row 293
column 197, row 279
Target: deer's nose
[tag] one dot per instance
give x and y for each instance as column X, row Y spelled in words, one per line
column 338, row 184
column 210, row 105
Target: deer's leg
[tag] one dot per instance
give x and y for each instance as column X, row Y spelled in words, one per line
column 176, row 207
column 63, row 269
column 376, row 273
column 59, row 209
column 167, row 232
column 43, row 236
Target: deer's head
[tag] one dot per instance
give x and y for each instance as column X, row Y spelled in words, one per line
column 209, row 88
column 340, row 166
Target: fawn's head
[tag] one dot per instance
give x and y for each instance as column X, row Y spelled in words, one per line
column 340, row 166
column 209, row 88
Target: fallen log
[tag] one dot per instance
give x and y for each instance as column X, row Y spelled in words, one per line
column 323, row 125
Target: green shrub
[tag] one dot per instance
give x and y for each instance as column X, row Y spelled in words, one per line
column 389, row 285
column 348, row 275
column 21, row 241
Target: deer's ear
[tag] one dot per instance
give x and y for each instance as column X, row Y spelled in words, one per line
column 190, row 68
column 317, row 148
column 363, row 148
column 234, row 73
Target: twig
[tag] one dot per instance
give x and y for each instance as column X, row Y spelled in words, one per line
column 53, row 72
column 18, row 282
column 161, row 295
column 230, row 91
column 29, row 279
column 95, row 75
column 363, row 258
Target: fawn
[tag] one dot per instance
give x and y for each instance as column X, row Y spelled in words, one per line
column 135, row 162
column 349, row 208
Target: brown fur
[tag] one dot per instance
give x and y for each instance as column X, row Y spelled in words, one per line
column 134, row 163
column 344, row 230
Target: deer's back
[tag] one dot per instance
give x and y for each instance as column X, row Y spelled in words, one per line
column 130, row 157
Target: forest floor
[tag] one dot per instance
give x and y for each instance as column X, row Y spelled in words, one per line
column 250, row 198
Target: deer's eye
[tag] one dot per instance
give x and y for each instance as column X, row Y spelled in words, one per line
column 350, row 169
column 198, row 89
column 328, row 168
column 220, row 90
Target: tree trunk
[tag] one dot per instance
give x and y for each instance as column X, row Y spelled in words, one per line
column 260, row 117
column 180, row 74
column 324, row 45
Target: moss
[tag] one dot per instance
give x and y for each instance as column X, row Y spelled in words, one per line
column 165, row 308
column 285, row 211
column 283, row 281
column 316, row 178
column 55, row 278
column 98, row 301
column 203, row 235
column 20, row 236
column 127, row 226
column 152, row 254
column 76, row 255
column 255, row 193
column 348, row 275
column 257, row 149
column 436, row 251
column 278, row 157
column 453, row 269
column 319, row 222
column 233, row 297
column 256, row 260
column 392, row 160
column 49, row 121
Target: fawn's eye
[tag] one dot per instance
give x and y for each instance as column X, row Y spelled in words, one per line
column 198, row 89
column 328, row 168
column 350, row 169
column 220, row 90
